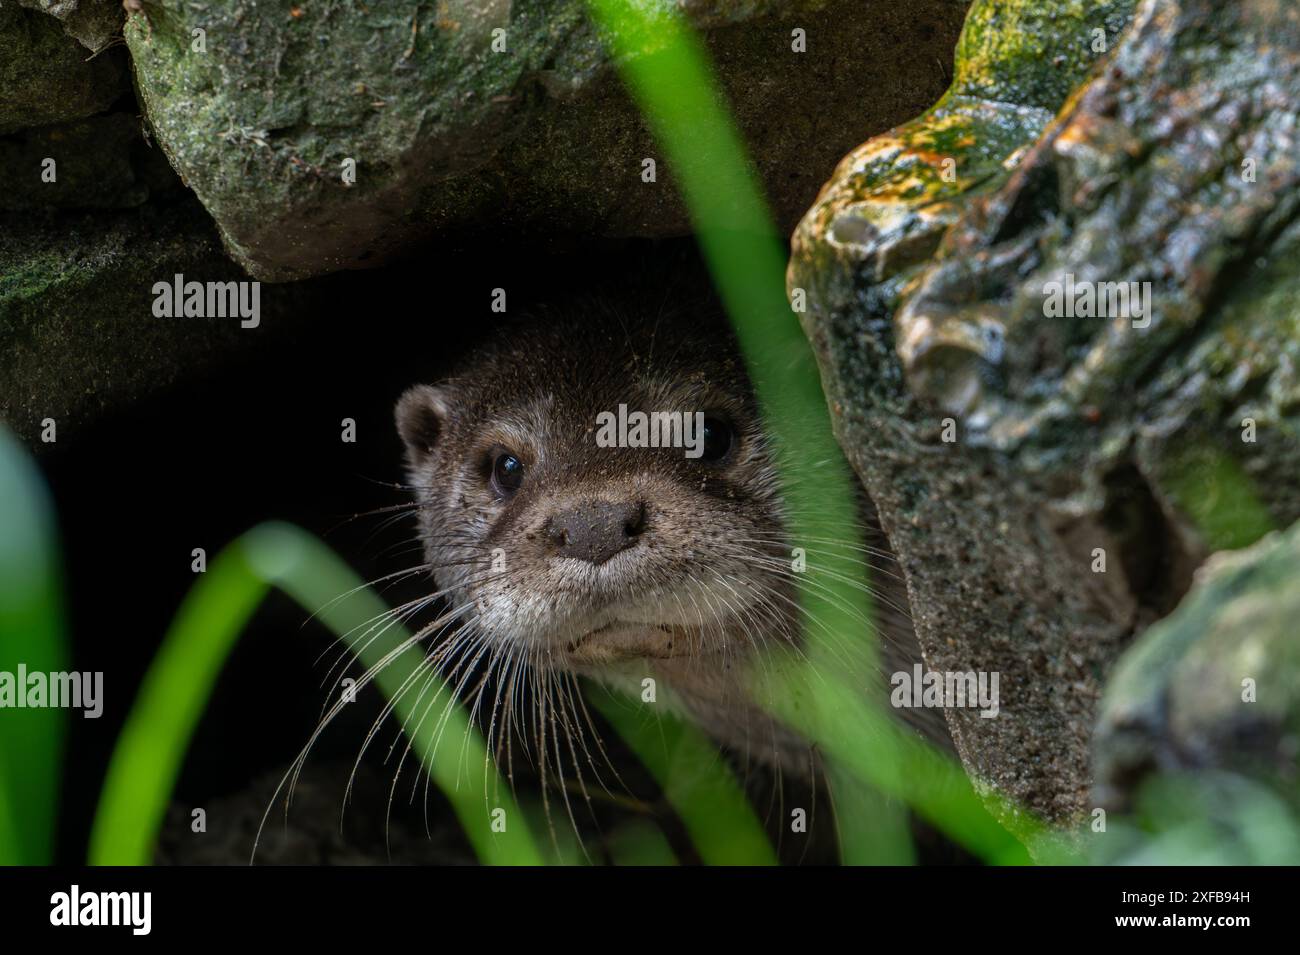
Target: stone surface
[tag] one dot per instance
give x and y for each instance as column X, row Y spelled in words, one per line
column 450, row 136
column 46, row 76
column 93, row 23
column 926, row 304
column 1179, row 697
column 103, row 162
column 77, row 332
column 1207, row 701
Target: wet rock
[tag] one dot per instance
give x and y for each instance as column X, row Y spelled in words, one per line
column 46, row 76
column 260, row 111
column 1015, row 450
column 891, row 199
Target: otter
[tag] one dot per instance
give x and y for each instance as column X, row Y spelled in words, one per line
column 562, row 556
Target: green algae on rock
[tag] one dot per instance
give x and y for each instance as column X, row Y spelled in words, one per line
column 890, row 200
column 1031, row 470
column 492, row 116
column 1172, row 174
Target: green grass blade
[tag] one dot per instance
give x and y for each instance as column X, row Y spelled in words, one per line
column 699, row 786
column 640, row 843
column 666, row 69
column 31, row 633
column 145, row 763
column 458, row 761
column 150, row 751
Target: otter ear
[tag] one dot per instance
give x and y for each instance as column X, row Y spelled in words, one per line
column 421, row 417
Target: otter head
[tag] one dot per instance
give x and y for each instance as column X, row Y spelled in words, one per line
column 562, row 539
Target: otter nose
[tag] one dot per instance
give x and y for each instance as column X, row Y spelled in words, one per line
column 595, row 531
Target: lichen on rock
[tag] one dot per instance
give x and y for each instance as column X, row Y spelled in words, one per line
column 1050, row 483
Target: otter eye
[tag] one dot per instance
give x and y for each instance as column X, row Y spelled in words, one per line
column 507, row 473
column 718, row 438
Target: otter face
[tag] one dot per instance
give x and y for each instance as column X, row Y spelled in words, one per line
column 554, row 547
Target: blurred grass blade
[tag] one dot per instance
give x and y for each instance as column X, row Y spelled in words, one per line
column 175, row 691
column 31, row 633
column 640, row 843
column 829, row 698
column 862, row 838
column 666, row 69
column 864, row 740
column 694, row 779
column 314, row 575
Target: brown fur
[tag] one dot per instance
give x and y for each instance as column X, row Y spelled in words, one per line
column 703, row 587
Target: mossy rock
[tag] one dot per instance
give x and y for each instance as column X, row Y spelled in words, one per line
column 1216, row 684
column 889, row 202
column 261, row 108
column 1052, row 483
column 78, row 336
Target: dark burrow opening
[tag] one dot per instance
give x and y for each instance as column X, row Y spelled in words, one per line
column 255, row 438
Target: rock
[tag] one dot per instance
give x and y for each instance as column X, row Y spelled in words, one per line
column 1214, row 685
column 890, row 200
column 1144, row 442
column 1212, row 692
column 45, row 76
column 101, row 163
column 93, row 23
column 449, row 136
column 78, row 336
column 340, row 815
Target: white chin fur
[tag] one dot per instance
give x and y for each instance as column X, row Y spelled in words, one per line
column 663, row 628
